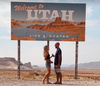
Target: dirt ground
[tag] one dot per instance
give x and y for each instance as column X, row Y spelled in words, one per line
column 33, row 78
column 30, row 82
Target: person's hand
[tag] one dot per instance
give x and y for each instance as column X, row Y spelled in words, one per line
column 53, row 55
column 58, row 65
column 51, row 62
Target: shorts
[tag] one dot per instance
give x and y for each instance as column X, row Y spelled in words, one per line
column 57, row 69
column 48, row 64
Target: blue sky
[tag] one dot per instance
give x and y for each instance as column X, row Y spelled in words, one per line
column 32, row 51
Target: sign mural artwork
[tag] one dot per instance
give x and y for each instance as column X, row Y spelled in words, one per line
column 47, row 21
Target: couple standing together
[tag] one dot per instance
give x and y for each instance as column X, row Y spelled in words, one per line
column 57, row 64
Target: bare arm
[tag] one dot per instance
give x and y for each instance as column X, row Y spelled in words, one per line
column 52, row 56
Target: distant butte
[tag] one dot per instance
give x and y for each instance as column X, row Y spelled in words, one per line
column 15, row 23
column 81, row 23
column 57, row 26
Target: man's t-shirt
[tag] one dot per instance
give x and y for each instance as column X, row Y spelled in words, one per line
column 58, row 52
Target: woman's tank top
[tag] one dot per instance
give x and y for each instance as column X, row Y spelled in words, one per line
column 48, row 57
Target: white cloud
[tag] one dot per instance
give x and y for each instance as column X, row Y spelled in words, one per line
column 95, row 23
column 5, row 22
column 89, row 11
column 9, row 31
column 89, row 52
column 4, row 37
column 88, row 39
column 4, row 14
column 98, row 1
column 4, row 2
column 91, row 22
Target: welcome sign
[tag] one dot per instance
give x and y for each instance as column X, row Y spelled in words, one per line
column 47, row 21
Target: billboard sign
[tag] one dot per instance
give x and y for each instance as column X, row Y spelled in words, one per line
column 47, row 21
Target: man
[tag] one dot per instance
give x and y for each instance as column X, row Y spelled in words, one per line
column 57, row 64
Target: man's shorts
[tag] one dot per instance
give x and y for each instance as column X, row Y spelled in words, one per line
column 57, row 69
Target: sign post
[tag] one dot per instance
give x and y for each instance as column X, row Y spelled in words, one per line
column 48, row 42
column 76, row 60
column 18, row 59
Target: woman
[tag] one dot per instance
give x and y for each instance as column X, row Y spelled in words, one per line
column 48, row 64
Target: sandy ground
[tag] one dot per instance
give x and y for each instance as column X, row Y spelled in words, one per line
column 31, row 82
column 85, row 78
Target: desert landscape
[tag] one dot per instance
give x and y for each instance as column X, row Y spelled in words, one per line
column 57, row 26
column 17, row 23
column 32, row 75
column 15, row 37
column 32, row 78
column 68, row 28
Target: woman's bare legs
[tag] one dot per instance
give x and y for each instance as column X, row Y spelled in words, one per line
column 48, row 72
column 47, row 76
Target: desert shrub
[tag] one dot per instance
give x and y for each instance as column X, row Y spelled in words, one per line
column 34, row 76
column 40, row 77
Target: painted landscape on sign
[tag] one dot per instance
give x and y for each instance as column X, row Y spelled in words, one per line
column 49, row 24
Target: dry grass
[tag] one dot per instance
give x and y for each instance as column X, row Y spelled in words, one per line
column 67, row 74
